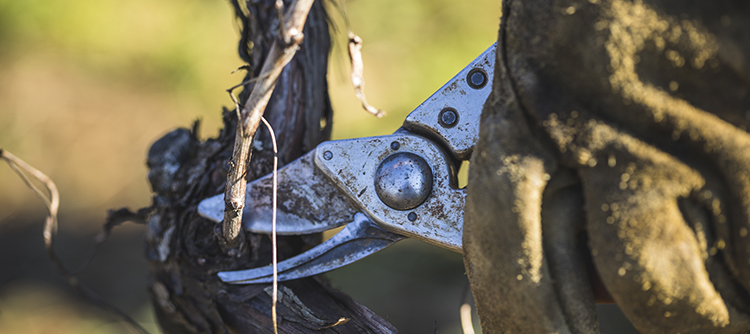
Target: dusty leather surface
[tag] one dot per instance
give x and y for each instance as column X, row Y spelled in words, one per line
column 616, row 130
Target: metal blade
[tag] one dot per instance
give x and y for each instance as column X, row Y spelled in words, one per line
column 356, row 241
column 307, row 202
column 451, row 115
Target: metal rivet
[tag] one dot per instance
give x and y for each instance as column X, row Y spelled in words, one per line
column 395, row 145
column 448, row 117
column 476, row 78
column 327, row 155
column 412, row 216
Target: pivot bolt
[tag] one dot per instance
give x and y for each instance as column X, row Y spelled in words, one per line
column 448, row 117
column 327, row 155
column 403, row 181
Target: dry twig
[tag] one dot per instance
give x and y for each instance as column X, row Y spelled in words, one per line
column 275, row 260
column 278, row 57
column 357, row 75
column 467, row 326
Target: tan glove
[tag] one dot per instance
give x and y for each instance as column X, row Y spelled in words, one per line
column 615, row 135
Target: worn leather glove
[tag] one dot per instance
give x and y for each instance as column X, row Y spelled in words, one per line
column 615, row 145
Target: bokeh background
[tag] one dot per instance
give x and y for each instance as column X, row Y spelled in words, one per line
column 87, row 85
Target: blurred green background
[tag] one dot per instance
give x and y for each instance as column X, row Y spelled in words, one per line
column 87, row 85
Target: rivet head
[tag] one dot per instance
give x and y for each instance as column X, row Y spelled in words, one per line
column 403, row 181
column 395, row 145
column 412, row 216
column 477, row 78
column 448, row 117
column 327, row 155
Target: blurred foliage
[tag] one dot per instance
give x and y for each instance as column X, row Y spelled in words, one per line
column 35, row 308
column 88, row 85
column 169, row 45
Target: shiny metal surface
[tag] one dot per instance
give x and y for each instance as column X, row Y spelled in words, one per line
column 353, row 168
column 357, row 240
column 308, row 202
column 403, row 180
column 466, row 95
column 329, row 186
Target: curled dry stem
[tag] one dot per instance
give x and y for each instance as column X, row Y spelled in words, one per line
column 357, row 74
column 51, row 199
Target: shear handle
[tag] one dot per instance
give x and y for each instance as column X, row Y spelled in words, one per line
column 359, row 239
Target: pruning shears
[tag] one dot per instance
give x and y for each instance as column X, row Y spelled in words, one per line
column 383, row 188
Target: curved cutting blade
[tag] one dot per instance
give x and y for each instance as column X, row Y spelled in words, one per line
column 356, row 241
column 307, row 202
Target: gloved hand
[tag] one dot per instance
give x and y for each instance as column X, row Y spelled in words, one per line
column 615, row 145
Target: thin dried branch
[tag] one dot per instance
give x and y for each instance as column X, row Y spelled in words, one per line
column 357, row 75
column 245, row 67
column 278, row 57
column 118, row 217
column 466, row 324
column 274, row 247
column 279, row 5
column 339, row 322
column 230, row 90
column 51, row 199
